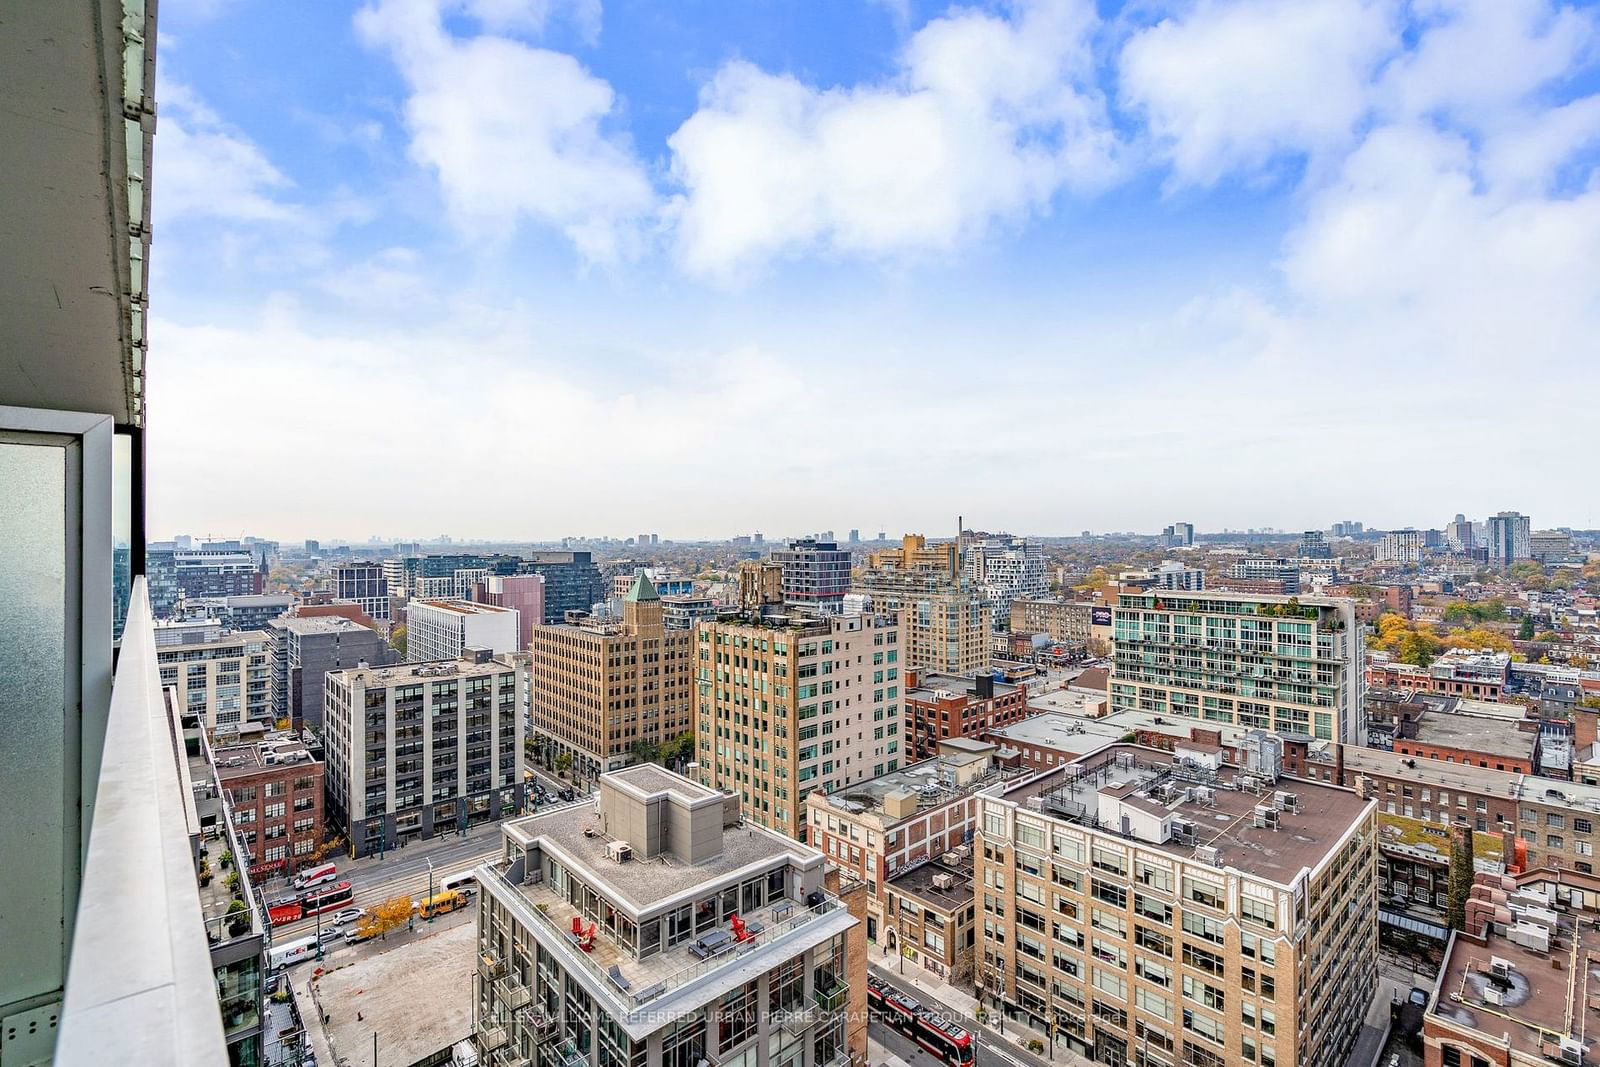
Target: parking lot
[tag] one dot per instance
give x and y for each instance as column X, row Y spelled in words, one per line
column 361, row 1000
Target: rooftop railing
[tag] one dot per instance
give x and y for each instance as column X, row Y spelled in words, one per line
column 140, row 973
column 534, row 917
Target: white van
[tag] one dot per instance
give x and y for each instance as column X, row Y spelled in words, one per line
column 311, row 876
column 465, row 882
column 291, row 952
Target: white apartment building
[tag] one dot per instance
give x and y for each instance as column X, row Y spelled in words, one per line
column 414, row 749
column 443, row 629
column 227, row 680
column 1006, row 569
column 1402, row 546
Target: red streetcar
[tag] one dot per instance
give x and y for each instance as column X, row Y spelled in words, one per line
column 944, row 1039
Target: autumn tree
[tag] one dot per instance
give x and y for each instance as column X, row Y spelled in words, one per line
column 397, row 640
column 390, row 915
column 1479, row 638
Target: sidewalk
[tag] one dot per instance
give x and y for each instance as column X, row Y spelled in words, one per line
column 964, row 1006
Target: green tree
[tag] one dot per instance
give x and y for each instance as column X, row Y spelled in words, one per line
column 1525, row 631
column 564, row 762
column 1461, row 874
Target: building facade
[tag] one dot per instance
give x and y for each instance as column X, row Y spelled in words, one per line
column 228, row 680
column 651, row 929
column 362, row 584
column 571, row 581
column 941, row 706
column 1292, row 665
column 1510, row 537
column 305, row 649
column 1006, row 568
column 785, row 705
column 603, row 688
column 1401, row 546
column 444, row 629
column 1064, row 622
column 816, row 574
column 276, row 788
column 878, row 829
column 522, row 592
column 1117, row 916
column 414, row 750
column 947, row 622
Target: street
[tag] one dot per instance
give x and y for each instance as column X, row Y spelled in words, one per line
column 992, row 1049
column 401, row 871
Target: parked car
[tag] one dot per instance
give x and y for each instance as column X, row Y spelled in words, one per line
column 329, row 933
column 356, row 934
column 347, row 915
column 568, row 794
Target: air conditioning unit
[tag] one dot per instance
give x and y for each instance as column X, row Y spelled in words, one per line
column 1500, row 967
column 1206, row 854
column 620, row 851
column 944, row 881
column 1571, row 1051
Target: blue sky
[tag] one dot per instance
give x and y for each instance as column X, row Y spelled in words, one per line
column 578, row 266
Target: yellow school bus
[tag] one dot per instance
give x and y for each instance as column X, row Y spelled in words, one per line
column 441, row 904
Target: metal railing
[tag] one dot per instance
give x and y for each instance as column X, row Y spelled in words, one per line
column 140, row 968
column 531, row 914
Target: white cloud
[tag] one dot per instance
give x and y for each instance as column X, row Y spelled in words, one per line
column 204, row 168
column 1227, row 86
column 513, row 132
column 987, row 119
column 532, row 16
column 1478, row 58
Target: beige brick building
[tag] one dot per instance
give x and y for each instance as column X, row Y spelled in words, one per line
column 1065, row 622
column 787, row 704
column 602, row 686
column 945, row 619
column 1157, row 911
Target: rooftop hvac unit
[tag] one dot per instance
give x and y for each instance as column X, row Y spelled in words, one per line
column 1500, row 967
column 1206, row 854
column 1571, row 1051
column 944, row 881
column 1287, row 801
column 1204, row 794
column 1266, row 818
column 1492, row 995
column 620, row 851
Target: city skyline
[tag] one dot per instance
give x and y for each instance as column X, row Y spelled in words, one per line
column 1140, row 244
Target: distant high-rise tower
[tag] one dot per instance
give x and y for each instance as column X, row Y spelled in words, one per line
column 1510, row 537
column 1458, row 535
column 1314, row 546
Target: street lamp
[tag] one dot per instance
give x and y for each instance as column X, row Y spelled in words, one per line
column 429, row 916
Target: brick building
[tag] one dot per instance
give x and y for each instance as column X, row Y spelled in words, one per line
column 276, row 789
column 1459, row 672
column 942, row 706
column 874, row 830
column 930, row 916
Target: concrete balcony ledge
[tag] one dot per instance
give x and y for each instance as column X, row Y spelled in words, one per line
column 139, row 986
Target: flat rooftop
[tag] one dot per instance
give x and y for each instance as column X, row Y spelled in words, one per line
column 463, row 607
column 1076, row 734
column 400, row 673
column 928, row 684
column 934, row 781
column 644, row 884
column 1073, row 701
column 1434, row 773
column 1224, row 819
column 1529, row 1001
column 234, row 761
column 1489, row 735
column 317, row 624
column 918, row 883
